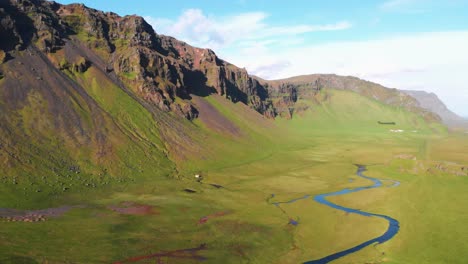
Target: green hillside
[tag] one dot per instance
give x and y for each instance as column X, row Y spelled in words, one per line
column 249, row 158
column 347, row 112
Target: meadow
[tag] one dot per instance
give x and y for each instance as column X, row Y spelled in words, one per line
column 228, row 216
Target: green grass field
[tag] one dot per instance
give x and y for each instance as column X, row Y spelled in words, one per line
column 308, row 155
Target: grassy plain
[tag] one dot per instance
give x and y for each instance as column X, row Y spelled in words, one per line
column 308, row 155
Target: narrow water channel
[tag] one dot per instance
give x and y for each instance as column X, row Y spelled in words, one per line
column 393, row 224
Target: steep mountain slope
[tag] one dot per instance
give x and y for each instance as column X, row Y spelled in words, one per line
column 88, row 98
column 432, row 103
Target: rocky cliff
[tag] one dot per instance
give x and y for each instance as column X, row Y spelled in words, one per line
column 157, row 68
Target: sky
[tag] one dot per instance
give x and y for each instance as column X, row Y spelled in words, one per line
column 404, row 44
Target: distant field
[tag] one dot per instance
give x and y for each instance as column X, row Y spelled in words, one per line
column 228, row 216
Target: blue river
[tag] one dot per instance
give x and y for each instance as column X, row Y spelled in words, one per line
column 393, row 224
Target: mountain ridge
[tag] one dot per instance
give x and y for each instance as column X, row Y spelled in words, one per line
column 105, row 93
column 160, row 67
column 306, row 84
column 425, row 100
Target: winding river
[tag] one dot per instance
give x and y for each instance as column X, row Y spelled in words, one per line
column 393, row 224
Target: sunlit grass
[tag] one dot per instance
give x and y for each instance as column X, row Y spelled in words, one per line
column 308, row 155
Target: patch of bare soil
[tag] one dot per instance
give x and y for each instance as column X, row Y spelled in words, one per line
column 189, row 253
column 14, row 215
column 215, row 215
column 131, row 208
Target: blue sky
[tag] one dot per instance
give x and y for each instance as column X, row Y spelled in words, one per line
column 405, row 44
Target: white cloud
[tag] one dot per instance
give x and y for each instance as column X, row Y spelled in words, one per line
column 435, row 62
column 301, row 29
column 396, row 3
column 194, row 27
column 406, row 6
column 272, row 68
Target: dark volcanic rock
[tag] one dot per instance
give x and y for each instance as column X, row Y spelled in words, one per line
column 285, row 97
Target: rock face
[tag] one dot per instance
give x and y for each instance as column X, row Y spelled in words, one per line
column 284, row 97
column 432, row 103
column 205, row 73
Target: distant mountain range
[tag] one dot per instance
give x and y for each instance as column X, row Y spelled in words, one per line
column 431, row 102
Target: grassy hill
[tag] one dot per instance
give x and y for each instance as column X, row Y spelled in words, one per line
column 348, row 112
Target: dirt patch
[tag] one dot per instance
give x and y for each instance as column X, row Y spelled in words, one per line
column 205, row 219
column 14, row 215
column 130, row 208
column 189, row 253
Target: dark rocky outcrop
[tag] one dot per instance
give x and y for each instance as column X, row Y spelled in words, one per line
column 284, row 97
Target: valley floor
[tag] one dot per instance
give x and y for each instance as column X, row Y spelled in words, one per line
column 229, row 216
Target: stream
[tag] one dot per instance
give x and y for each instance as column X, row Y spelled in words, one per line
column 393, row 224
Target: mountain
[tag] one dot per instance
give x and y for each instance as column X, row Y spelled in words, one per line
column 306, row 85
column 431, row 102
column 94, row 94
